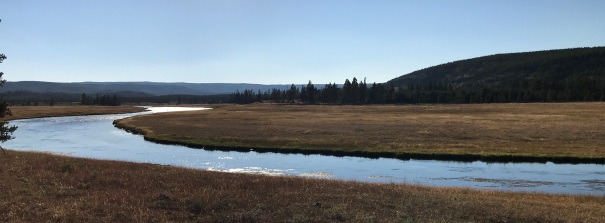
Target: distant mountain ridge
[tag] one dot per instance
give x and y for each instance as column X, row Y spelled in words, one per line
column 503, row 69
column 135, row 88
column 564, row 75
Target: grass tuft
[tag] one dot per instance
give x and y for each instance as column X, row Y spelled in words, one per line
column 67, row 168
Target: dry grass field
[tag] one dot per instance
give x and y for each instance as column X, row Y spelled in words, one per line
column 534, row 130
column 39, row 187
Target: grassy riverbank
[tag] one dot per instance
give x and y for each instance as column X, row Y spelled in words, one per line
column 39, row 187
column 563, row 132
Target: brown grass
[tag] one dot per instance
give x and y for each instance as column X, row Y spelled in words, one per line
column 22, row 112
column 39, row 187
column 539, row 130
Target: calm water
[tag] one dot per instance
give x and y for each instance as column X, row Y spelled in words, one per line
column 96, row 137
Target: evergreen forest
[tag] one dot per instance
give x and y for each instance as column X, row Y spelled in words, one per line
column 568, row 75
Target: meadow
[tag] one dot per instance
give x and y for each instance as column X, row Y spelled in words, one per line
column 507, row 132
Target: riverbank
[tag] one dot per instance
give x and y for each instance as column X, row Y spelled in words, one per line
column 38, row 187
column 556, row 132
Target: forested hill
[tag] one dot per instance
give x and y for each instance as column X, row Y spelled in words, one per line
column 554, row 75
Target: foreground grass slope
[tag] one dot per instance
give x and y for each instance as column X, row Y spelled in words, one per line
column 39, row 187
column 558, row 130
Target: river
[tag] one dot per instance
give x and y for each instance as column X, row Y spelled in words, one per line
column 95, row 137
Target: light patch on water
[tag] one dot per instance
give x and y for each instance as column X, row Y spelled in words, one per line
column 54, row 140
column 225, row 158
column 59, row 153
column 465, row 169
column 173, row 109
column 119, row 132
column 509, row 183
column 257, row 170
column 320, row 175
column 380, row 177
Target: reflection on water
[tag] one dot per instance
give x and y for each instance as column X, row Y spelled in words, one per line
column 96, row 137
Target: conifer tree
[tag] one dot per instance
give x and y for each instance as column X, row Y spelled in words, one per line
column 354, row 91
column 292, row 94
column 311, row 93
column 347, row 92
column 5, row 130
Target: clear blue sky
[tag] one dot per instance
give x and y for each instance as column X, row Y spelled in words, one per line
column 276, row 41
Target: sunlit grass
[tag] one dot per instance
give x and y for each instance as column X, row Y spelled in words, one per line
column 536, row 130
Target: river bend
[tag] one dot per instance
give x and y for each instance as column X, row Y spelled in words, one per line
column 95, row 137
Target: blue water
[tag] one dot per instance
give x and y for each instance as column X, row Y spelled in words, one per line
column 96, row 137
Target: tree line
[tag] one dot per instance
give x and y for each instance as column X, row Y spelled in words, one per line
column 352, row 92
column 522, row 90
column 106, row 100
column 28, row 98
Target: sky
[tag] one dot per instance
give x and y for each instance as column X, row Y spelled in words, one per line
column 277, row 41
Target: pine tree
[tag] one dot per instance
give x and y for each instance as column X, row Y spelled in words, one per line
column 354, row 91
column 303, row 94
column 363, row 92
column 347, row 92
column 311, row 90
column 5, row 130
column 292, row 94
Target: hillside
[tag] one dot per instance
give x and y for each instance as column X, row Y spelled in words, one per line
column 554, row 75
column 151, row 88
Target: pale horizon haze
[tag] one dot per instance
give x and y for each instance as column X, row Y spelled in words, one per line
column 276, row 41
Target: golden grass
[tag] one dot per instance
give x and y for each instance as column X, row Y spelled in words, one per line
column 39, row 187
column 538, row 130
column 22, row 112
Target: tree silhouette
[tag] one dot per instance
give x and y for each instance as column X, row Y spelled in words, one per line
column 5, row 130
column 311, row 91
